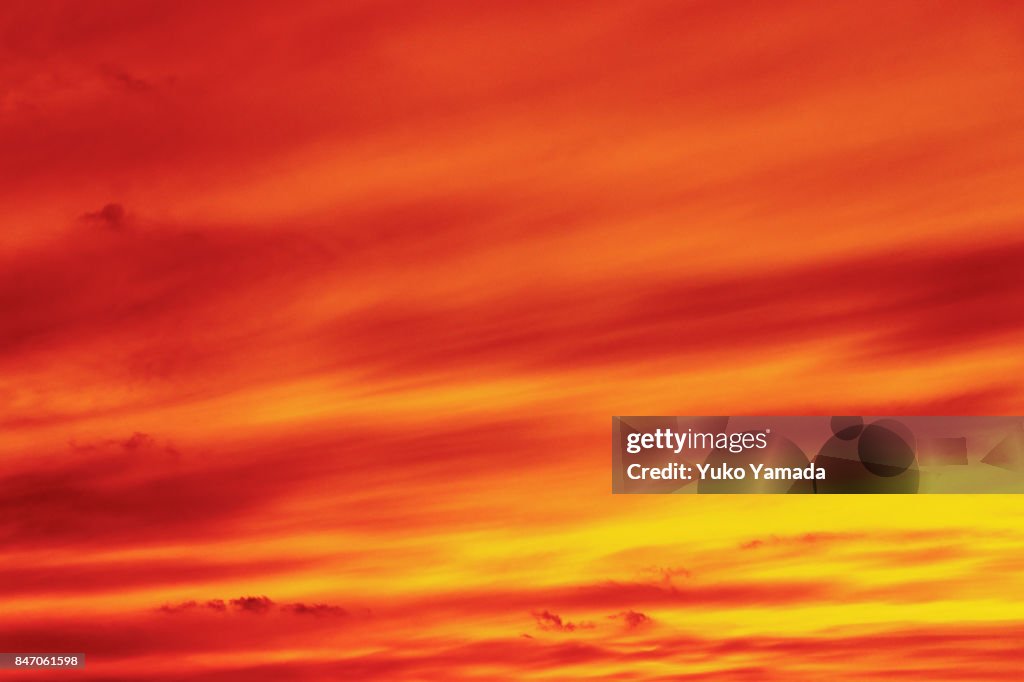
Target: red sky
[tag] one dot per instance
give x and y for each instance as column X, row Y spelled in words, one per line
column 313, row 319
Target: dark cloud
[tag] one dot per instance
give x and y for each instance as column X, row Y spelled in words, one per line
column 552, row 621
column 178, row 608
column 633, row 619
column 141, row 444
column 257, row 605
column 111, row 216
column 252, row 604
column 301, row 609
column 125, row 80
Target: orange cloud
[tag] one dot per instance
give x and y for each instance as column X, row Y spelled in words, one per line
column 311, row 323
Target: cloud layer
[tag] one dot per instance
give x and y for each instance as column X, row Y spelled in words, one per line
column 313, row 321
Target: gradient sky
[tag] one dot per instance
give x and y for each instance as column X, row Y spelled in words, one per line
column 313, row 317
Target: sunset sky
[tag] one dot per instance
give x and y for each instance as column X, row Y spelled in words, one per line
column 313, row 317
